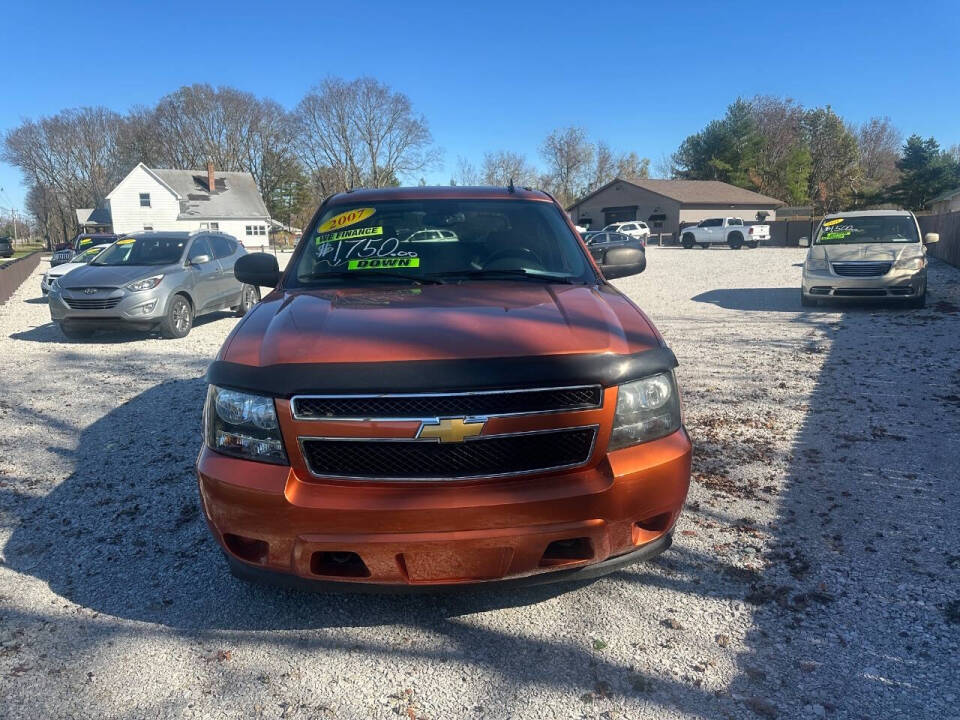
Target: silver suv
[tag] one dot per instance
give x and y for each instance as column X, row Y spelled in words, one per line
column 867, row 254
column 152, row 280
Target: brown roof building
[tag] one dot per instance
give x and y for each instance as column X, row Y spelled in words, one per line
column 669, row 203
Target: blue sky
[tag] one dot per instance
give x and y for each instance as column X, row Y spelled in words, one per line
column 499, row 75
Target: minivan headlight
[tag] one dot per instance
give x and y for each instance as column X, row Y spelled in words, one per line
column 916, row 262
column 816, row 264
column 647, row 409
column 244, row 425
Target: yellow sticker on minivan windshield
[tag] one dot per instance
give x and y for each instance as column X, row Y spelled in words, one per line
column 351, row 217
column 126, row 241
column 833, row 222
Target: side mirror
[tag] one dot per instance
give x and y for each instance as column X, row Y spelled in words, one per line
column 622, row 262
column 199, row 260
column 931, row 238
column 257, row 269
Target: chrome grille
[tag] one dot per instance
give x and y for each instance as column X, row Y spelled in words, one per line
column 486, row 403
column 92, row 303
column 861, row 269
column 497, row 455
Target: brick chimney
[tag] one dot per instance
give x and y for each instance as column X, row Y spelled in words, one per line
column 211, row 181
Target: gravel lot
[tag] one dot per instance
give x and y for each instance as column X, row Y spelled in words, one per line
column 815, row 572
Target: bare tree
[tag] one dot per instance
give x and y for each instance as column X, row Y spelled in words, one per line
column 357, row 133
column 568, row 156
column 607, row 165
column 633, row 167
column 503, row 166
column 879, row 142
column 466, row 173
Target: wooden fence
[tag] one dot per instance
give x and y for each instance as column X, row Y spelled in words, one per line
column 948, row 225
column 14, row 272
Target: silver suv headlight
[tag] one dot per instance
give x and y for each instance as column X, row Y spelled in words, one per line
column 146, row 284
column 647, row 409
column 244, row 425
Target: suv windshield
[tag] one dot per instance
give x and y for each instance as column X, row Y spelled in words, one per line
column 868, row 229
column 143, row 251
column 85, row 256
column 443, row 238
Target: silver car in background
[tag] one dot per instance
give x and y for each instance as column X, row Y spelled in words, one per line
column 867, row 254
column 152, row 280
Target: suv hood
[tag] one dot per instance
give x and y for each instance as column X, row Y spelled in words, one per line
column 876, row 252
column 114, row 275
column 438, row 322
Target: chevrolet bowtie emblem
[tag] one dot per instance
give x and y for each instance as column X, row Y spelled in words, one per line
column 450, row 430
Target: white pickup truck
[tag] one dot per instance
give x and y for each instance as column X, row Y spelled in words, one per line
column 723, row 231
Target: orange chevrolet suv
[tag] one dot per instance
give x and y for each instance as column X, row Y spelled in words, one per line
column 441, row 388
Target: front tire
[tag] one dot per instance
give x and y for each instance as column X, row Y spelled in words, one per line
column 249, row 296
column 688, row 242
column 918, row 302
column 179, row 318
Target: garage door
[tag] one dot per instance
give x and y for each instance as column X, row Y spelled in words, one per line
column 619, row 214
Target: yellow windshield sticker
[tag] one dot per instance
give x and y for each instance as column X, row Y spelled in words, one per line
column 126, row 241
column 351, row 217
column 383, row 263
column 86, row 241
column 350, row 234
column 833, row 222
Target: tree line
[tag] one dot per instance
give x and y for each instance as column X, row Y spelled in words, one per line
column 342, row 134
column 812, row 157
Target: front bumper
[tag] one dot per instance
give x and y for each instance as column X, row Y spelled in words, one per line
column 896, row 284
column 145, row 308
column 271, row 521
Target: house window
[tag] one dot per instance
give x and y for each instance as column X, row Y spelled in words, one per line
column 148, row 228
column 204, row 226
column 214, row 226
column 144, row 199
column 256, row 229
column 249, row 229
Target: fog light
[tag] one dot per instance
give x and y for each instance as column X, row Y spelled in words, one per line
column 147, row 308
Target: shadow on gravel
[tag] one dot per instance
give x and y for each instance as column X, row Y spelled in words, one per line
column 852, row 612
column 50, row 333
column 764, row 299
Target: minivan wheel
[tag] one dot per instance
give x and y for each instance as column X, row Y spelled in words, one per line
column 179, row 318
column 249, row 296
column 918, row 302
column 73, row 332
column 687, row 242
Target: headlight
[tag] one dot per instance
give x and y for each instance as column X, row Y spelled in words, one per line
column 55, row 284
column 910, row 263
column 146, row 284
column 241, row 424
column 647, row 409
column 816, row 264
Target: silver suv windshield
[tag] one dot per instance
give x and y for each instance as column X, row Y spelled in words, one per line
column 152, row 250
column 867, row 229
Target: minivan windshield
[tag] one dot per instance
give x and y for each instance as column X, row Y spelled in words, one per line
column 153, row 250
column 868, row 229
column 441, row 240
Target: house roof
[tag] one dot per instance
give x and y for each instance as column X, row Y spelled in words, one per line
column 945, row 196
column 235, row 194
column 693, row 192
column 94, row 216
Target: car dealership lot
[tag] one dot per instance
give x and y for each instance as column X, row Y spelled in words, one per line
column 814, row 572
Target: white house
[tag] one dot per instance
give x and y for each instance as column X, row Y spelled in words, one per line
column 155, row 199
